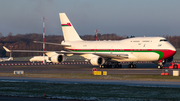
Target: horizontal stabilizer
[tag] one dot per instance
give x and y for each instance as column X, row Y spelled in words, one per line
column 7, row 50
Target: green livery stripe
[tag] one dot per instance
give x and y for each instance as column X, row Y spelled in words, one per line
column 64, row 25
column 94, row 50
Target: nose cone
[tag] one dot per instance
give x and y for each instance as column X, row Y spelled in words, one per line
column 173, row 52
column 169, row 53
column 173, row 49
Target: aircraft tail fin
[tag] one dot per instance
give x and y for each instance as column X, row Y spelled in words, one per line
column 69, row 32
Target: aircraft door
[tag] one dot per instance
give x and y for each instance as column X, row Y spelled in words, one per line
column 132, row 49
column 111, row 50
column 95, row 49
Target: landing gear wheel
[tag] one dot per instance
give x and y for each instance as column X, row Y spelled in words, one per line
column 160, row 67
column 130, row 65
column 120, row 66
column 101, row 66
column 134, row 66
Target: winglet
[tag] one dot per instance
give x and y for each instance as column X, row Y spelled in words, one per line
column 7, row 50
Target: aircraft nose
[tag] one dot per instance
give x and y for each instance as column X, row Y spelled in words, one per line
column 173, row 51
column 169, row 53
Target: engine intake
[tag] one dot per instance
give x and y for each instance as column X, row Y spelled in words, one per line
column 57, row 58
column 97, row 60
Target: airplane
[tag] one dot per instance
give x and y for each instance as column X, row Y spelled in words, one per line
column 109, row 53
column 39, row 59
column 6, row 59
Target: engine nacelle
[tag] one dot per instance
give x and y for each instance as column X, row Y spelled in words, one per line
column 97, row 61
column 58, row 58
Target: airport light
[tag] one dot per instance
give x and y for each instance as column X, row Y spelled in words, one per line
column 43, row 38
column 96, row 33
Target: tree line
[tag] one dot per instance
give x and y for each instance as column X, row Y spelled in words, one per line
column 25, row 42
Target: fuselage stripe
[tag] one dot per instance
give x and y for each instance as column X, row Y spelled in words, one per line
column 158, row 51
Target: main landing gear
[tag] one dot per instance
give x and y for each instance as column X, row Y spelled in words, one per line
column 111, row 65
column 131, row 65
column 116, row 65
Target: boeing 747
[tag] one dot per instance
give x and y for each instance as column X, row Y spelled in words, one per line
column 99, row 53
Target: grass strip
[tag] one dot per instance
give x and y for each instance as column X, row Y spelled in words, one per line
column 137, row 77
column 89, row 92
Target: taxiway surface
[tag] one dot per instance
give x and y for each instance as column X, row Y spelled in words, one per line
column 146, row 68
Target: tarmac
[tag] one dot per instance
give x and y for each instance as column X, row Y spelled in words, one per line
column 142, row 68
column 148, row 68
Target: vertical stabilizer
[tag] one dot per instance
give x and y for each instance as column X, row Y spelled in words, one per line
column 69, row 32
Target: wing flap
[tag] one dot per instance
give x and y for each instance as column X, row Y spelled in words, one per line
column 117, row 56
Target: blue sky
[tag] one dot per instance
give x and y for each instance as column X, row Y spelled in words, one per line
column 123, row 17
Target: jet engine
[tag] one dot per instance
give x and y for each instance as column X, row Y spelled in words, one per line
column 97, row 60
column 57, row 58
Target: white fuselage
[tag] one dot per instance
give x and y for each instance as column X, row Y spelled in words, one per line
column 6, row 59
column 39, row 59
column 138, row 49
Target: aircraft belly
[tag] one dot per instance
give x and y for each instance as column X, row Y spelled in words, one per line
column 130, row 57
column 138, row 56
column 146, row 56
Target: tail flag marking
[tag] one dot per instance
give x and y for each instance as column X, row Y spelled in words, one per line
column 64, row 25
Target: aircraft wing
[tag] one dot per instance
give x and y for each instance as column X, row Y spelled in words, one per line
column 118, row 56
column 61, row 52
column 52, row 43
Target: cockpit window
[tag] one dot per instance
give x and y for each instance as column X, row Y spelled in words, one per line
column 163, row 40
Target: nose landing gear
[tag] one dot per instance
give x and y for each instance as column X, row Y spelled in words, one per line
column 160, row 66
